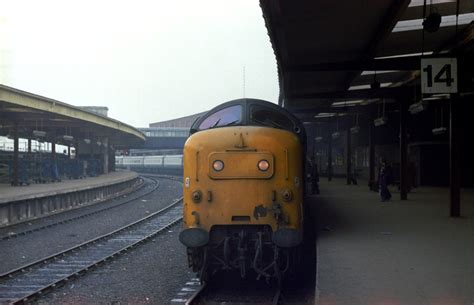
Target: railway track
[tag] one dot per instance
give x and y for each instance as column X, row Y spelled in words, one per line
column 155, row 184
column 218, row 293
column 22, row 284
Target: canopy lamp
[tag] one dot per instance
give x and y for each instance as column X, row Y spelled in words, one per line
column 68, row 138
column 335, row 135
column 355, row 129
column 418, row 107
column 87, row 141
column 380, row 121
column 318, row 139
column 439, row 131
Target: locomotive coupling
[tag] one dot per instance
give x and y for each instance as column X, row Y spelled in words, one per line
column 194, row 237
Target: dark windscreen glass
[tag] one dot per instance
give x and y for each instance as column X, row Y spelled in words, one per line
column 269, row 117
column 224, row 117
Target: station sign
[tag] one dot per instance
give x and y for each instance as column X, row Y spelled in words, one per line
column 439, row 75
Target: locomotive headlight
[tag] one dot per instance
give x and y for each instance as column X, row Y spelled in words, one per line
column 218, row 165
column 263, row 165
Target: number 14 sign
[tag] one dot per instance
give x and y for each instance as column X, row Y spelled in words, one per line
column 439, row 75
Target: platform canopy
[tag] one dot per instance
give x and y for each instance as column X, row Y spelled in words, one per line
column 330, row 52
column 48, row 120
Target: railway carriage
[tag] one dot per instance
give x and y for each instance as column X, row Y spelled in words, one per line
column 243, row 190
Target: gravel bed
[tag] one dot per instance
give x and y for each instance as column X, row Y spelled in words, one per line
column 150, row 274
column 24, row 249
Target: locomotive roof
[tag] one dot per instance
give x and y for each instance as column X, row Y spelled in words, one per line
column 249, row 112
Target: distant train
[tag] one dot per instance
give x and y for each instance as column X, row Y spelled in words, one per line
column 167, row 164
column 243, row 190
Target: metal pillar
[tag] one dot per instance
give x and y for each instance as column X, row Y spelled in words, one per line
column 105, row 154
column 112, row 159
column 29, row 146
column 53, row 150
column 76, row 149
column 69, row 151
column 15, row 177
column 403, row 150
column 372, row 184
column 454, row 158
column 348, row 156
column 329, row 169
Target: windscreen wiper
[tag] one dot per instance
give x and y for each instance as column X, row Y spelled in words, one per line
column 215, row 124
column 231, row 123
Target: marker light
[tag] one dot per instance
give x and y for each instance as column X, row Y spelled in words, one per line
column 263, row 165
column 218, row 165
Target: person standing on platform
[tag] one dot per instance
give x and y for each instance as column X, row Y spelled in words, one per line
column 383, row 188
column 353, row 172
column 314, row 177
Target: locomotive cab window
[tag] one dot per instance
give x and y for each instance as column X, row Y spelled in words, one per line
column 271, row 118
column 225, row 117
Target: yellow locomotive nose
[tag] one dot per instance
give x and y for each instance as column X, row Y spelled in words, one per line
column 242, row 192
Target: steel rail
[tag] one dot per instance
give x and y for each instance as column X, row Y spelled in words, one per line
column 195, row 298
column 26, row 282
column 23, row 233
column 199, row 298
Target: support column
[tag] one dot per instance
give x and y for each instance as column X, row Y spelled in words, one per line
column 454, row 158
column 29, row 146
column 348, row 156
column 15, row 167
column 53, row 151
column 69, row 151
column 76, row 149
column 403, row 150
column 112, row 159
column 372, row 184
column 329, row 169
column 105, row 154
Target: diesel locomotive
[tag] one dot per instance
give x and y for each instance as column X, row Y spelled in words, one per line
column 243, row 190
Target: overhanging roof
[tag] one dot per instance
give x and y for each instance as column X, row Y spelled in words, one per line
column 33, row 112
column 328, row 51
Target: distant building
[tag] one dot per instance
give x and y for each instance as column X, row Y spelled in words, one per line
column 167, row 137
column 184, row 122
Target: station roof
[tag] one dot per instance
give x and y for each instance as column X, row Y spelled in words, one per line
column 33, row 112
column 332, row 51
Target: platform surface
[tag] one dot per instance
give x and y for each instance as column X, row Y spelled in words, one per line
column 396, row 252
column 10, row 193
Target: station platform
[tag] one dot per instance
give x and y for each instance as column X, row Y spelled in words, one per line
column 395, row 252
column 14, row 193
column 23, row 203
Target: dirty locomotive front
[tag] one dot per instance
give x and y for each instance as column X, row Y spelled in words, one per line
column 243, row 190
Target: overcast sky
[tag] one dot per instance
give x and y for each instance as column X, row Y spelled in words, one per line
column 147, row 61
